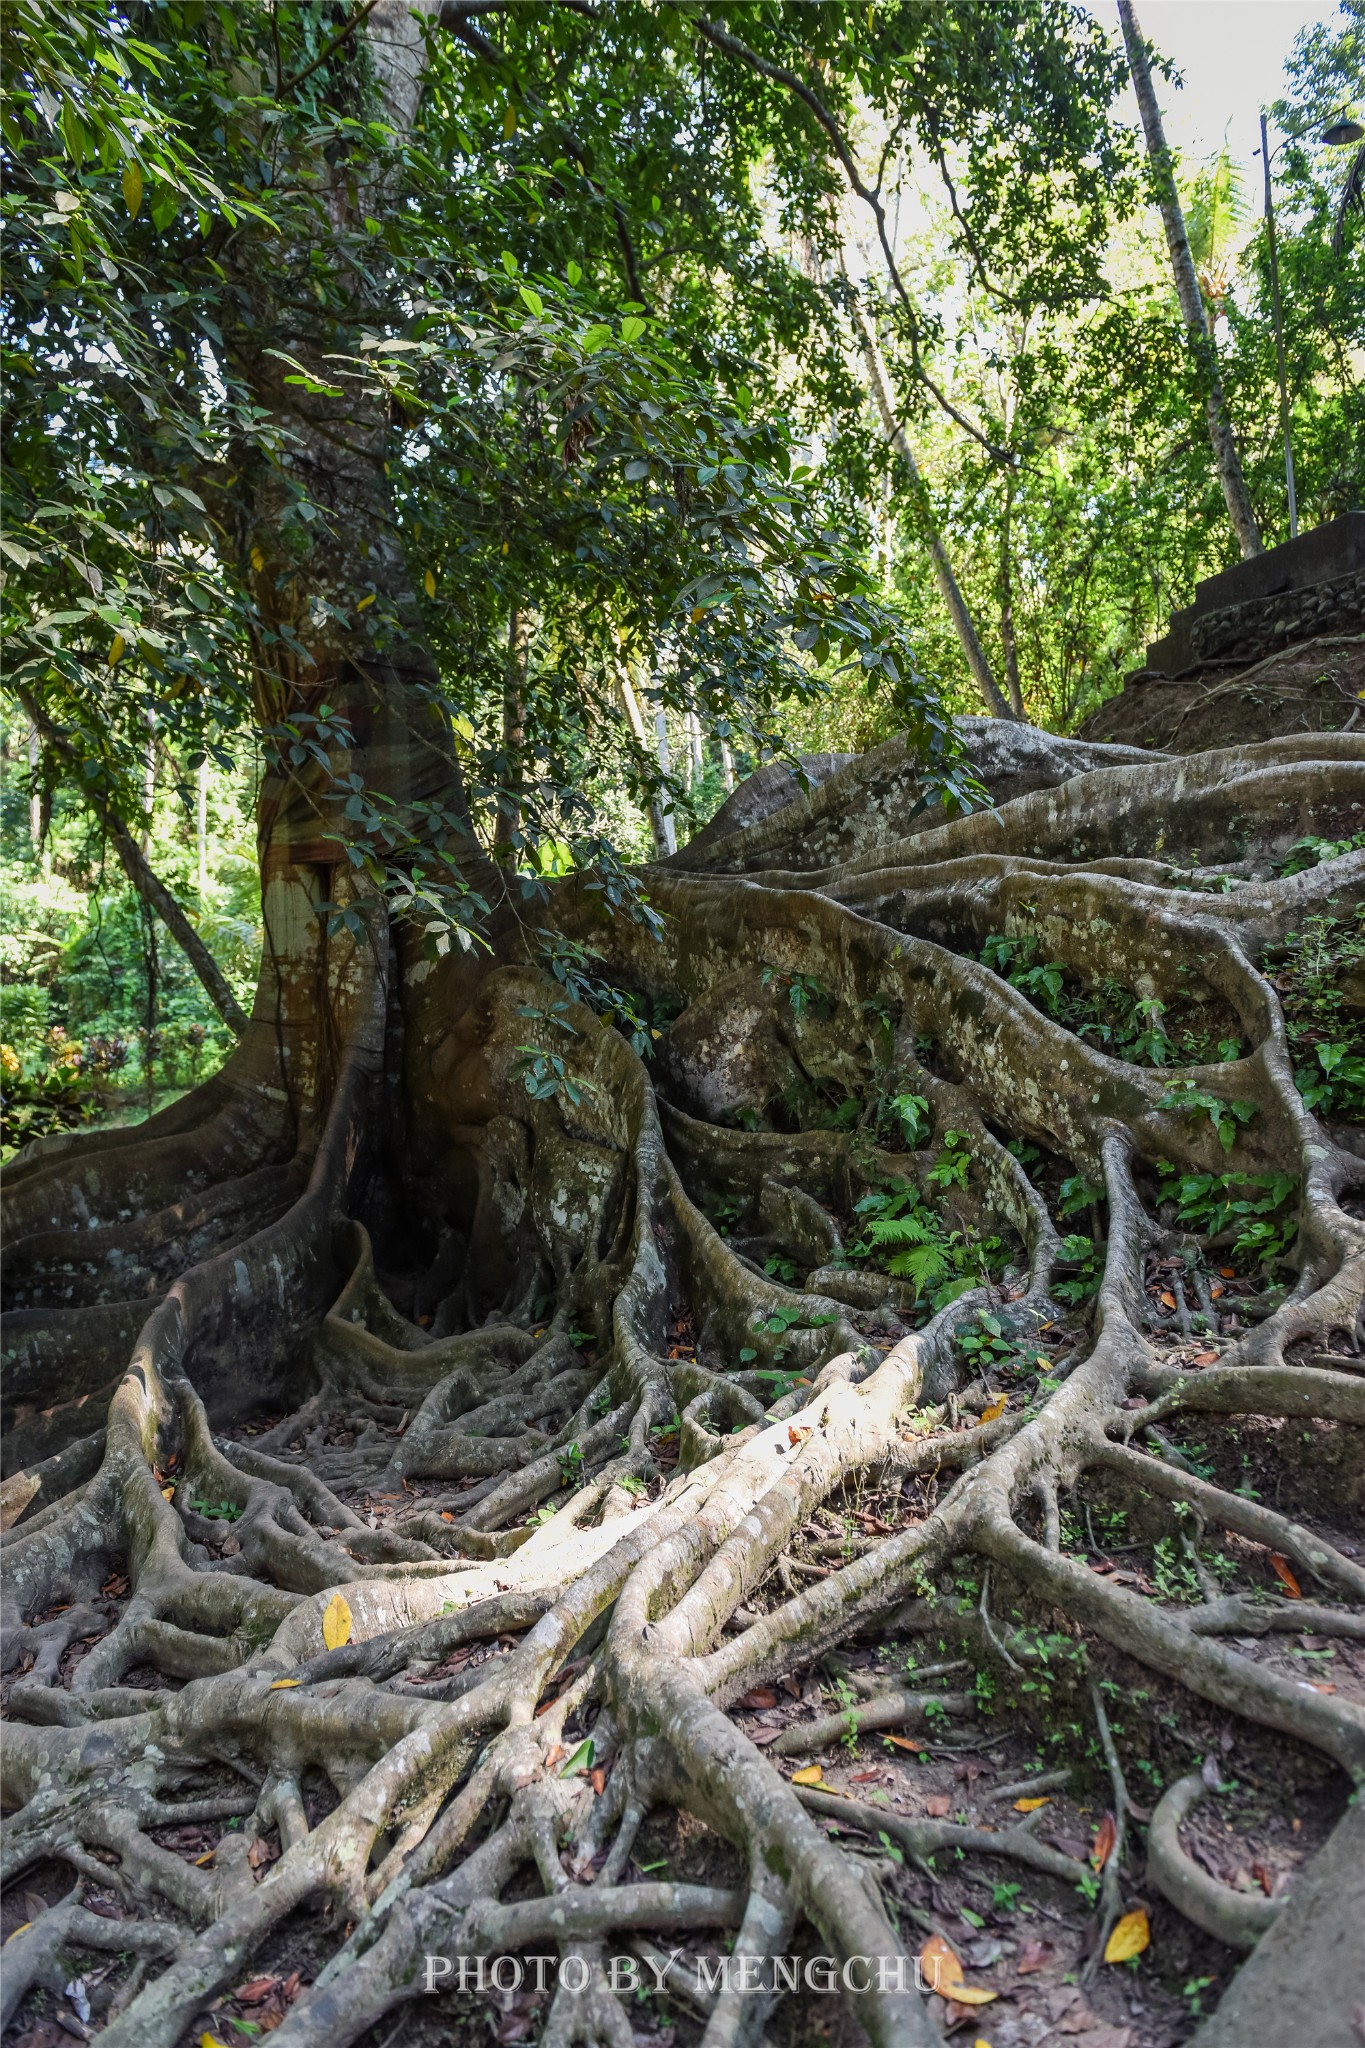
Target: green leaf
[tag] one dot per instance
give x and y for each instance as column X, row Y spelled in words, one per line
column 580, row 1761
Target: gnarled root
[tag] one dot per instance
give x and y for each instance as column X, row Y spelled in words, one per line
column 673, row 1382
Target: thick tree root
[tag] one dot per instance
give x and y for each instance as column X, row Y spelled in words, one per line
column 589, row 1466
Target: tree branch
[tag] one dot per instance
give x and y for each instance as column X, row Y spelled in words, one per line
column 452, row 17
column 348, row 28
column 779, row 75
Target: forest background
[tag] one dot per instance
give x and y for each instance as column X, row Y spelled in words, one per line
column 1045, row 384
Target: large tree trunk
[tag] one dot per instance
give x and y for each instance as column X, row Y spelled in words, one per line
column 380, row 1306
column 1221, row 437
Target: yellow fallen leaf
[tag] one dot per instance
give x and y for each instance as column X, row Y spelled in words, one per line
column 996, row 1407
column 940, row 1966
column 429, row 584
column 279, row 1684
column 941, row 1971
column 1130, row 1937
column 168, row 1493
column 810, row 1776
column 336, row 1623
column 979, row 2042
column 209, row 2041
column 207, row 1857
column 1030, row 1805
column 16, row 1932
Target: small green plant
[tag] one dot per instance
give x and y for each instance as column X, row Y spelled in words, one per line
column 781, row 1269
column 217, row 1511
column 1075, row 1194
column 953, row 1164
column 1173, row 1572
column 803, row 992
column 1227, row 1118
column 910, row 1240
column 1310, row 973
column 570, row 1463
column 1310, row 853
column 1338, row 1084
column 1082, row 1258
column 1005, row 1897
column 911, row 1115
column 1261, row 1205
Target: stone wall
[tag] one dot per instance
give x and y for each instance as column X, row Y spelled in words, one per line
column 1245, row 632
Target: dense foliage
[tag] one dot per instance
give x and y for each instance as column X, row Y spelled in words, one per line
column 594, row 297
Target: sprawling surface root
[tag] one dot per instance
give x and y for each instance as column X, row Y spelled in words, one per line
column 627, row 1395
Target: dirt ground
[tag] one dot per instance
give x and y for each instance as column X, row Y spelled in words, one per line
column 1312, row 688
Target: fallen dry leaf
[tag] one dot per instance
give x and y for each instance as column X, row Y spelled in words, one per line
column 1030, row 1805
column 994, row 1408
column 906, row 1742
column 1106, row 1834
column 1280, row 1566
column 598, row 1780
column 1131, row 1935
column 1035, row 1955
column 940, row 1965
column 283, row 1684
column 795, row 1435
column 336, row 1623
column 963, row 1997
column 811, row 1775
column 938, row 1804
column 256, row 1990
column 1204, row 1358
column 762, row 1696
column 864, row 1777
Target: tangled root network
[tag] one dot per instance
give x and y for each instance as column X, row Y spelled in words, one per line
column 498, row 1476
